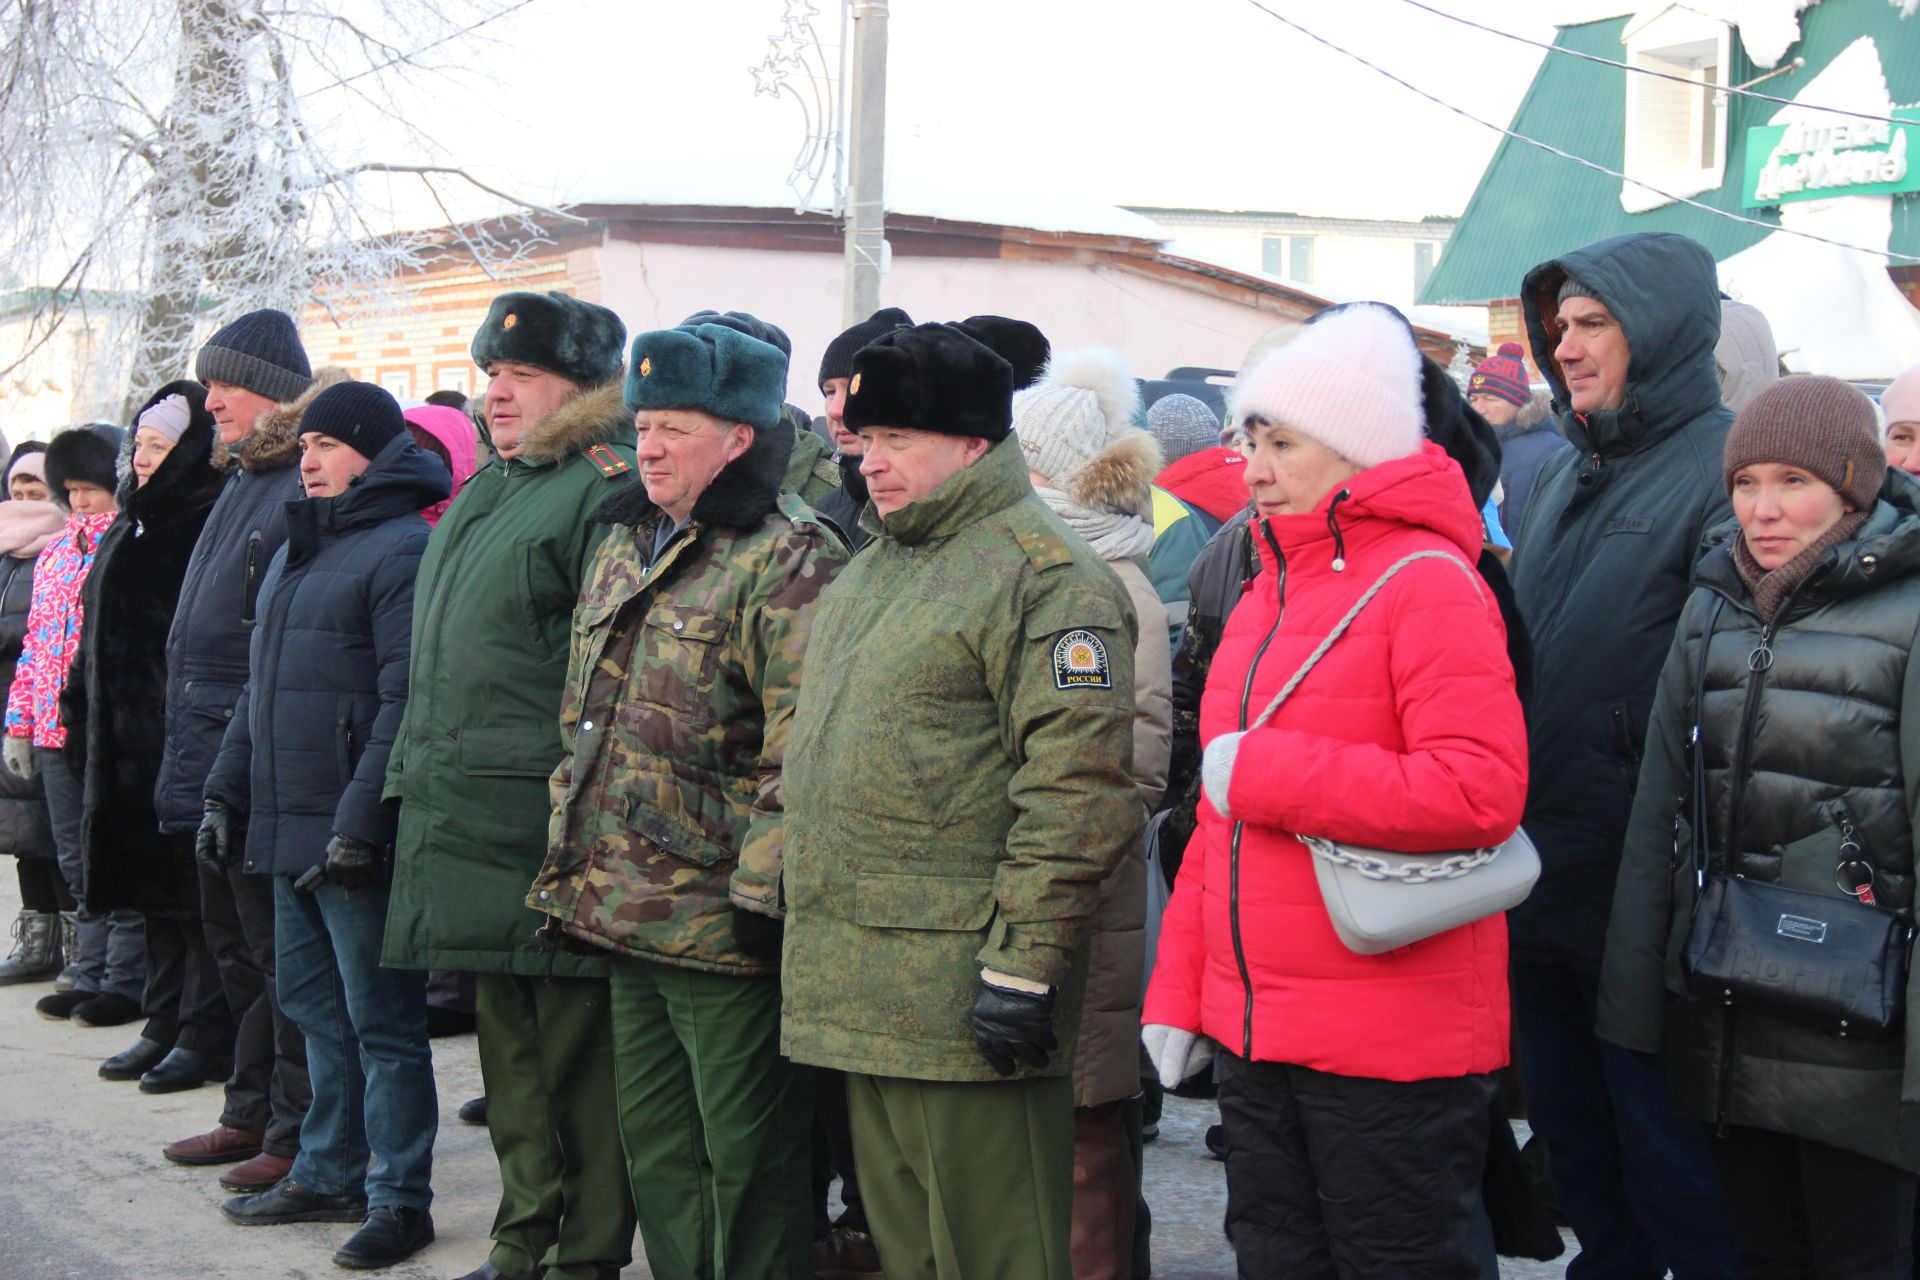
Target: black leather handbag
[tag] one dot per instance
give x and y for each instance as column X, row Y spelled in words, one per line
column 1837, row 962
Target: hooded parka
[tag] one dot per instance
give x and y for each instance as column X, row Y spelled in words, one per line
column 1828, row 735
column 306, row 755
column 954, row 794
column 128, row 607
column 481, row 736
column 1525, row 445
column 667, row 808
column 1406, row 736
column 207, row 643
column 1603, row 564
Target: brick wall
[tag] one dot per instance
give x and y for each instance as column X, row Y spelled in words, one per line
column 423, row 346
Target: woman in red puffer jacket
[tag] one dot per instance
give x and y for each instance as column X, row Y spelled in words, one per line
column 1354, row 1089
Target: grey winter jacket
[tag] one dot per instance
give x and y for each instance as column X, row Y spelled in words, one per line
column 306, row 755
column 207, row 644
column 1828, row 735
column 1604, row 564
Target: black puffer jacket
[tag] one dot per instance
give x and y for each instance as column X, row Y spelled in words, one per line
column 306, row 756
column 207, row 645
column 128, row 605
column 1603, row 565
column 1829, row 734
column 24, row 829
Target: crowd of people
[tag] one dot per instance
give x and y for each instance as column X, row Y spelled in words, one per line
column 907, row 800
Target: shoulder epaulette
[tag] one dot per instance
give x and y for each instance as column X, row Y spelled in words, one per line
column 1045, row 549
column 609, row 462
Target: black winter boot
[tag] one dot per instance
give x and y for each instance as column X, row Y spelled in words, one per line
column 36, row 949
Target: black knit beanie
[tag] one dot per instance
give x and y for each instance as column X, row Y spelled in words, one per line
column 87, row 454
column 838, row 361
column 357, row 414
column 261, row 352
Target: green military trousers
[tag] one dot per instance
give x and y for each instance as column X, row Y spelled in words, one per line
column 966, row 1181
column 716, row 1124
column 546, row 1056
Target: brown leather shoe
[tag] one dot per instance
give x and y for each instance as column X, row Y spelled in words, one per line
column 223, row 1145
column 258, row 1174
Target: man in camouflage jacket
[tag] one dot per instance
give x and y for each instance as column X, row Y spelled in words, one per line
column 959, row 787
column 668, row 821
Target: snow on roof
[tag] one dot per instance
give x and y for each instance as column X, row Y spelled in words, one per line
column 1466, row 323
column 1833, row 310
column 749, row 187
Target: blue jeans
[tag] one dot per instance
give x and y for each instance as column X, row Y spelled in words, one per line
column 367, row 1053
column 1638, row 1184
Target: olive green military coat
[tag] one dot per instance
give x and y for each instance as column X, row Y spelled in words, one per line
column 957, row 780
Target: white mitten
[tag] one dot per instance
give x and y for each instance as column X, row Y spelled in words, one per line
column 1216, row 770
column 19, row 757
column 1176, row 1054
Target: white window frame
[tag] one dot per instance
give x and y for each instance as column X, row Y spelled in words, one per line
column 1677, row 40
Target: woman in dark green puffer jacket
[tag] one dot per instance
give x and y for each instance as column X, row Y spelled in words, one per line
column 1812, row 745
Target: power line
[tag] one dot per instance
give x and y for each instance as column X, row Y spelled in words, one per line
column 1568, row 155
column 1648, row 71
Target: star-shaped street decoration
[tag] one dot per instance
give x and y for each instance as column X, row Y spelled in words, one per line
column 767, row 76
column 788, row 46
column 801, row 12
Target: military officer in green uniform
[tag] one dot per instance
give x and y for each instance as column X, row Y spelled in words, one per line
column 492, row 616
column 668, row 817
column 958, row 786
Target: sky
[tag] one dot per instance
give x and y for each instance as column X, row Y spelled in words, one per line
column 1193, row 103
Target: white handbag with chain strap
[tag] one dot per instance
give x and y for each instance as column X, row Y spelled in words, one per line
column 1379, row 900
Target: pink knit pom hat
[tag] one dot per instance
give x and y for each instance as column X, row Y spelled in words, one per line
column 1351, row 381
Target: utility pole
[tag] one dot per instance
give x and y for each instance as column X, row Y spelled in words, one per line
column 867, row 124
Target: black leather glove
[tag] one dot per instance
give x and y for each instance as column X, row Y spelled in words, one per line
column 1011, row 1026
column 213, row 844
column 351, row 864
column 758, row 936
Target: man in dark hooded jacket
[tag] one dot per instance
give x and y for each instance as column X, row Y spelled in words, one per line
column 1624, row 332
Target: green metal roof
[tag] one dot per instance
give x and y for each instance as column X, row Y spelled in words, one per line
column 1532, row 205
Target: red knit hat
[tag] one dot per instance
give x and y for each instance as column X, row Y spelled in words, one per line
column 1503, row 374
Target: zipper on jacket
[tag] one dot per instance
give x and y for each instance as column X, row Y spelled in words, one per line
column 1623, row 747
column 1233, row 847
column 247, row 598
column 1759, row 662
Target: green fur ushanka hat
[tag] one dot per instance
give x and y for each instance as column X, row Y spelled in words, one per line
column 709, row 367
column 932, row 377
column 580, row 341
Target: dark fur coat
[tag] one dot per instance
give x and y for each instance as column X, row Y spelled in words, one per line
column 128, row 602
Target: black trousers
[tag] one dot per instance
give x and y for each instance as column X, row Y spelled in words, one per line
column 42, row 887
column 1806, row 1210
column 184, row 1004
column 268, row 1092
column 1342, row 1177
column 833, row 1154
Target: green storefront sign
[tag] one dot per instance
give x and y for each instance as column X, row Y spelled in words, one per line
column 1840, row 157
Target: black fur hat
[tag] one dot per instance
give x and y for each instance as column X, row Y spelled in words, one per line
column 1020, row 344
column 580, row 341
column 837, row 362
column 932, row 377
column 87, row 454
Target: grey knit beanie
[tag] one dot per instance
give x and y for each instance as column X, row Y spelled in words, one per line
column 1182, row 424
column 1821, row 425
column 261, row 352
column 1572, row 288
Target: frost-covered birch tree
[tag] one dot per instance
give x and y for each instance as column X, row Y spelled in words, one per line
column 178, row 162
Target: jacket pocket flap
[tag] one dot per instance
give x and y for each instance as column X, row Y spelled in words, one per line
column 588, row 616
column 922, row 902
column 670, row 835
column 508, row 753
column 1072, row 613
column 688, row 624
